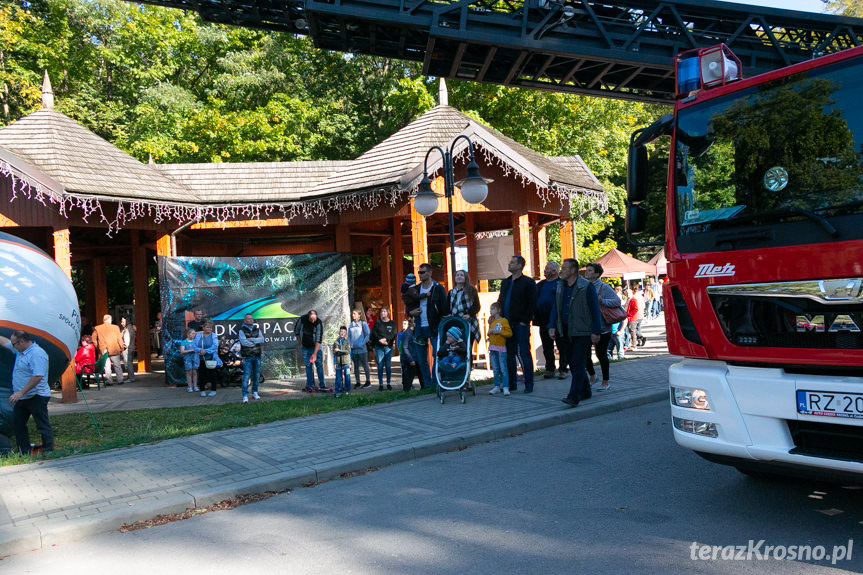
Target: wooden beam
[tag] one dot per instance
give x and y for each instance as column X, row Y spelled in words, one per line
column 142, row 303
column 419, row 239
column 100, row 290
column 343, row 238
column 163, row 246
column 567, row 240
column 398, row 272
column 521, row 240
column 63, row 257
column 537, row 250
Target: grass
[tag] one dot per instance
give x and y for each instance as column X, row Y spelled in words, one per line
column 74, row 433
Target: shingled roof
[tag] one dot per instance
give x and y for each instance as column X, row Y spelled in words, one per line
column 251, row 182
column 397, row 162
column 83, row 162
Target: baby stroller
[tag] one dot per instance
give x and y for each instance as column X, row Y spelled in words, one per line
column 452, row 368
column 231, row 370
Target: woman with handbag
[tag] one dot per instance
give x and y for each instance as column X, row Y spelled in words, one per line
column 609, row 305
column 207, row 347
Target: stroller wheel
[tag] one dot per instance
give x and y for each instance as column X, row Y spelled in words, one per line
column 442, row 398
column 463, row 397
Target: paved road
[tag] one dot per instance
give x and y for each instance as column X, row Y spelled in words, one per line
column 610, row 494
column 57, row 500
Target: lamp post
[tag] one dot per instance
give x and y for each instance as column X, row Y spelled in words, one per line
column 474, row 189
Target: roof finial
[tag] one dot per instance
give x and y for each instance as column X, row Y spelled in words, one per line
column 442, row 94
column 47, row 93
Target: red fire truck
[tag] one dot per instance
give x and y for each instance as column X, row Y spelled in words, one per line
column 764, row 239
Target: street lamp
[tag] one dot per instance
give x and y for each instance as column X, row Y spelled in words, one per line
column 474, row 189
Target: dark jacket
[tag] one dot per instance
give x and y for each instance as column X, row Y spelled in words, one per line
column 522, row 302
column 384, row 330
column 438, row 307
column 251, row 339
column 545, row 293
column 583, row 315
column 308, row 333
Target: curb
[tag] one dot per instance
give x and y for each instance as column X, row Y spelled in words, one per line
column 34, row 537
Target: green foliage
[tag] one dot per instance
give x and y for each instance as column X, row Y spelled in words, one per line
column 164, row 84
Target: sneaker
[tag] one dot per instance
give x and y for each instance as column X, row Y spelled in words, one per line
column 203, row 394
column 496, row 389
column 255, row 395
column 197, row 388
column 389, row 387
column 211, row 394
column 506, row 392
column 562, row 375
column 309, row 389
column 337, row 395
column 245, row 399
column 365, row 385
column 189, row 389
column 380, row 388
column 548, row 375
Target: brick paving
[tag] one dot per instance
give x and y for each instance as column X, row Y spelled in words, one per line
column 52, row 501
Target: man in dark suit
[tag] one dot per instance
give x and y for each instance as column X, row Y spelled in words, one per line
column 518, row 302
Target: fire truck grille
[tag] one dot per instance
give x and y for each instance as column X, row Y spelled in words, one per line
column 828, row 440
column 789, row 322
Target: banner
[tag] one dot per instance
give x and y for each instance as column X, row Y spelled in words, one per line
column 276, row 290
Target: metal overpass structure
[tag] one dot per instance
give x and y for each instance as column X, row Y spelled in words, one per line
column 619, row 48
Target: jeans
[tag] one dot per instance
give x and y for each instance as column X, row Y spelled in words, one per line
column 319, row 365
column 114, row 362
column 580, row 387
column 251, row 373
column 360, row 359
column 129, row 363
column 343, row 372
column 426, row 371
column 498, row 368
column 519, row 344
column 384, row 357
column 37, row 406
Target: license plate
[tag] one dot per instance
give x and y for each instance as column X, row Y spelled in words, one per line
column 830, row 403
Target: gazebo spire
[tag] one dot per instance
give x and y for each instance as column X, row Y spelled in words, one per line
column 442, row 94
column 47, row 93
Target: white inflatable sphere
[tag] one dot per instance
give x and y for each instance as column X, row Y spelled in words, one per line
column 37, row 297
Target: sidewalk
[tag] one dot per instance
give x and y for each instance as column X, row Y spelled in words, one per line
column 50, row 502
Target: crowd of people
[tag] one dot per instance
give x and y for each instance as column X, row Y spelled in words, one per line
column 569, row 308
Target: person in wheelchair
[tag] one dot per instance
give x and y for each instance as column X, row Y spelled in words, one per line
column 454, row 353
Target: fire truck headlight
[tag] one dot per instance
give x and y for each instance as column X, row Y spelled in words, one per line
column 689, row 397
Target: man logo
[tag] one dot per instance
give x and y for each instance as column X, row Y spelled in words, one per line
column 816, row 323
column 714, row 271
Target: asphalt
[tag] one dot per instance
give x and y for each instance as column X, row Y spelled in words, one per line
column 55, row 501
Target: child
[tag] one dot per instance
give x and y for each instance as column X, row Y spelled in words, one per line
column 410, row 294
column 407, row 355
column 342, row 357
column 498, row 332
column 191, row 360
column 454, row 353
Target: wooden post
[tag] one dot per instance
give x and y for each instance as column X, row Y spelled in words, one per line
column 142, row 303
column 447, row 267
column 398, row 272
column 419, row 240
column 343, row 238
column 470, row 244
column 63, row 257
column 521, row 240
column 164, row 246
column 386, row 283
column 541, row 240
column 100, row 290
column 567, row 241
column 537, row 250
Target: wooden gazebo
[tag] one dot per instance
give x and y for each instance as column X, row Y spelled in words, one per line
column 77, row 196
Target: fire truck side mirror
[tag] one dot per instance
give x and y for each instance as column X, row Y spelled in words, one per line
column 636, row 175
column 636, row 219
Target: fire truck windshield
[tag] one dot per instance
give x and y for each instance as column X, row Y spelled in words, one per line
column 788, row 152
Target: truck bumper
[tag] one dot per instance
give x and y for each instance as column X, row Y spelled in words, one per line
column 756, row 425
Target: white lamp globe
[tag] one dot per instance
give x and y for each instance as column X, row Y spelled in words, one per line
column 425, row 203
